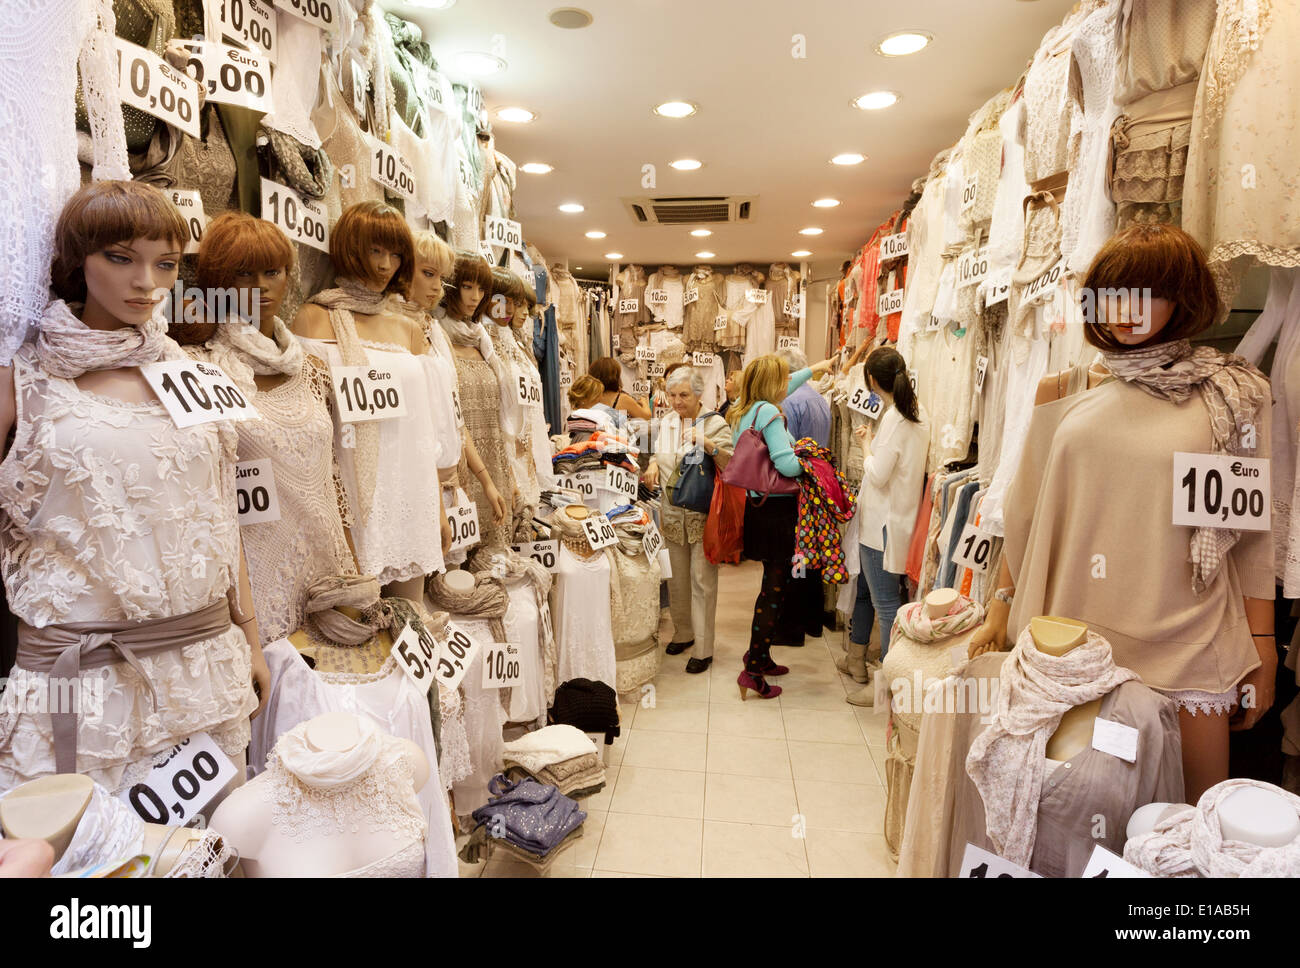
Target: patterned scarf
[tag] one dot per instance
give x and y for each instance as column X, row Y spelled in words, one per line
column 825, row 502
column 914, row 622
column 1234, row 393
column 66, row 347
column 243, row 352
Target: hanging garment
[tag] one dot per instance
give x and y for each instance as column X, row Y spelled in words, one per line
column 583, row 627
column 704, row 298
column 295, row 82
column 631, row 286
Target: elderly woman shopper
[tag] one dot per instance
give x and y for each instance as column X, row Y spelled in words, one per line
column 686, row 431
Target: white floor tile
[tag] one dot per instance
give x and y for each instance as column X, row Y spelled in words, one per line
column 660, row 793
column 822, row 725
column 666, row 751
column 756, row 718
column 831, row 805
column 639, row 844
column 750, row 799
column 837, row 762
column 837, row 853
column 747, row 756
column 672, row 716
column 752, row 850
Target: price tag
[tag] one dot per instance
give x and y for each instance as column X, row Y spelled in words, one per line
column 505, row 233
column 656, row 297
column 501, row 666
column 979, row 863
column 416, row 655
column 1046, row 284
column 626, row 306
column 866, row 403
column 972, row 267
column 432, row 87
column 600, row 533
column 968, row 193
column 455, row 405
column 548, row 630
column 455, row 656
column 255, row 494
column 566, row 380
column 890, row 302
column 702, row 359
column 692, row 295
column 974, row 549
column 529, row 386
column 911, row 378
column 759, row 297
column 463, row 519
column 720, row 322
column 367, row 393
column 182, row 782
column 999, row 287
column 893, row 246
column 656, row 369
column 304, row 220
column 640, row 388
column 585, row 483
column 190, row 205
column 1104, row 863
column 933, row 324
column 229, row 75
column 787, row 342
column 390, row 169
column 652, row 541
column 474, row 98
column 621, row 481
column 147, row 82
column 981, row 369
column 545, row 553
column 796, row 306
column 647, row 353
column 197, row 393
column 245, row 23
column 1222, row 491
column 320, row 13
column 614, row 343
column 1115, row 738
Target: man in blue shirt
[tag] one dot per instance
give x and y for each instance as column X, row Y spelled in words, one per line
column 807, row 414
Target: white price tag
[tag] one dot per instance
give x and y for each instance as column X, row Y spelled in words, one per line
column 455, row 656
column 759, row 297
column 702, row 359
column 1222, row 491
column 999, row 286
column 933, row 324
column 1115, row 738
column 529, row 387
column 182, row 782
column 692, row 295
column 972, row 267
column 893, row 246
column 614, row 344
column 656, row 369
column 640, row 388
column 231, row 76
column 787, row 342
column 866, row 403
column 197, row 393
column 245, row 23
column 147, row 82
column 981, row 370
column 190, row 205
column 720, row 322
column 626, row 306
column 969, row 192
column 974, row 549
column 621, row 481
column 416, row 655
column 432, row 87
column 652, row 541
column 321, row 13
column 979, row 863
column 360, row 82
column 566, row 379
column 474, row 98
column 656, row 297
column 647, row 353
column 890, row 302
column 501, row 666
column 1046, row 284
column 255, row 495
column 548, row 630
column 485, row 250
column 390, row 169
column 585, row 483
column 455, row 405
column 600, row 533
column 367, row 393
column 505, row 233
column 796, row 306
column 302, row 219
column 464, row 525
column 545, row 553
column 1104, row 863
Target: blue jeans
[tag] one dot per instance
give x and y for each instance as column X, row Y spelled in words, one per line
column 864, row 616
column 884, row 588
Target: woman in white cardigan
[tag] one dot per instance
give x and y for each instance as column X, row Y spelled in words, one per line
column 892, row 481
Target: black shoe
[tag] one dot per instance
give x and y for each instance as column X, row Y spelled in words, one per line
column 698, row 665
column 677, row 648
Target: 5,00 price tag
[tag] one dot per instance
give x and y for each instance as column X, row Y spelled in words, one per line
column 366, row 393
column 197, row 393
column 501, row 666
column 182, row 782
column 974, row 549
column 1222, row 491
column 416, row 654
column 866, row 403
column 600, row 533
column 456, row 655
column 530, row 389
column 255, row 494
column 302, row 219
column 545, row 553
column 626, row 306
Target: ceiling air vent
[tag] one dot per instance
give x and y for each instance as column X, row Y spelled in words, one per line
column 691, row 209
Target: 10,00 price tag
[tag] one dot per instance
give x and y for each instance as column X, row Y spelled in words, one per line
column 974, row 549
column 182, row 782
column 505, row 233
column 787, row 342
column 501, row 666
column 652, row 541
column 147, row 82
column 889, row 303
column 367, row 393
column 585, row 483
column 893, row 246
column 190, row 204
column 455, row 656
column 304, row 220
column 600, row 533
column 621, row 481
column 463, row 520
column 246, row 22
column 702, row 359
column 390, row 169
column 1222, row 491
column 197, row 393
column 545, row 553
column 255, row 495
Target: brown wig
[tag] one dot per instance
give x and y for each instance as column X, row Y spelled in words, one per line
column 470, row 267
column 366, row 224
column 507, row 283
column 108, row 213
column 1163, row 259
column 608, row 372
column 236, row 242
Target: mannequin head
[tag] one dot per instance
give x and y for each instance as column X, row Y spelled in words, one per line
column 372, row 244
column 117, row 248
column 251, row 255
column 886, row 374
column 471, row 287
column 434, row 263
column 1149, row 284
column 527, row 309
column 508, row 297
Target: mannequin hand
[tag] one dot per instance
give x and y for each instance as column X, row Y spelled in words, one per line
column 1257, row 688
column 990, row 637
column 261, row 676
column 444, row 529
column 494, row 499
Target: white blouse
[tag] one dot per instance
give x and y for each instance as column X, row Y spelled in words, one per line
column 891, row 487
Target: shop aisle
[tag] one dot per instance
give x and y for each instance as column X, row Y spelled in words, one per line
column 701, row 784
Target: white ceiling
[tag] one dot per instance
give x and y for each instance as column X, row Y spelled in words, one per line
column 768, row 123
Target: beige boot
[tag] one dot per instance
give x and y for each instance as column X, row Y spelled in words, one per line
column 866, row 696
column 854, row 662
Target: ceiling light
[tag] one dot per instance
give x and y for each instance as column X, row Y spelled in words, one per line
column 477, row 63
column 811, row 230
column 515, row 115
column 686, row 164
column 595, row 235
column 704, row 255
column 613, row 256
column 579, row 268
column 572, row 208
column 826, row 203
column 536, row 168
column 571, row 18
column 876, row 100
column 903, row 43
column 675, row 109
column 848, row 158
column 701, row 233
column 801, row 254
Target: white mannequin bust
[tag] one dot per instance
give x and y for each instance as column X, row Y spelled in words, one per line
column 1257, row 816
column 245, row 818
column 939, row 602
column 460, row 581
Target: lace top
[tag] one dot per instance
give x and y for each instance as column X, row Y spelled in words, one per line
column 296, row 79
column 480, row 405
column 1047, row 131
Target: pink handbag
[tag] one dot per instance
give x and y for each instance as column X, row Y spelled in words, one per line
column 751, row 466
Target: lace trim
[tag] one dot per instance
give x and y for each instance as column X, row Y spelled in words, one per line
column 1238, row 35
column 1272, row 255
column 208, row 857
column 1209, row 703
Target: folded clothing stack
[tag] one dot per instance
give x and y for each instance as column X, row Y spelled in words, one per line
column 530, row 819
column 561, row 755
column 591, row 706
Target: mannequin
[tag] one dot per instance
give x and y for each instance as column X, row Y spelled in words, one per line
column 1251, row 815
column 361, row 835
column 460, row 581
column 509, row 301
column 1057, row 636
column 580, row 603
column 84, row 368
column 669, row 279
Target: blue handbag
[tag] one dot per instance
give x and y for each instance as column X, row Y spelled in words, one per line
column 692, row 485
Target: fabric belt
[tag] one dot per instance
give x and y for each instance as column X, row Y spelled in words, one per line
column 63, row 651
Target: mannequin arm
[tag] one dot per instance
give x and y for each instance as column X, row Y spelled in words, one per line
column 479, row 470
column 992, row 635
column 1257, row 687
column 8, row 406
column 247, row 621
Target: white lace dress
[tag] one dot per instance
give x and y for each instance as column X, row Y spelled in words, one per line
column 110, row 513
column 580, row 603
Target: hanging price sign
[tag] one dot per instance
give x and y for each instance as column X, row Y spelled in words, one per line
column 655, row 369
column 367, row 393
column 390, row 169
column 504, row 232
column 1222, row 491
column 600, row 533
column 787, row 342
column 981, row 370
column 319, row 13
column 998, row 288
column 621, row 481
column 455, row 656
column 626, row 306
column 890, row 302
column 529, row 386
column 545, row 553
column 614, row 343
column 795, row 307
column 720, row 322
column 759, row 297
column 647, row 353
column 455, row 406
column 463, row 521
column 969, row 193
column 197, row 393
column 893, row 246
column 652, row 541
column 360, row 84
column 432, row 87
column 190, row 205
column 974, row 549
column 182, row 782
column 255, row 496
column 866, row 403
column 245, row 23
column 566, row 380
column 585, row 483
column 1046, row 284
column 656, row 297
column 640, row 388
column 304, row 220
column 231, row 76
column 417, row 655
column 702, row 359
column 501, row 668
column 972, row 267
column 147, row 82
column 1104, row 863
column 692, row 295
column 979, row 863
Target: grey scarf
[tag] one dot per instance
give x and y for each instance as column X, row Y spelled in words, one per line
column 66, row 347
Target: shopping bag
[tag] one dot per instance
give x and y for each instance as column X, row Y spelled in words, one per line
column 724, row 531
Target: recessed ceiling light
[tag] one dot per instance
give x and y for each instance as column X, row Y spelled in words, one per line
column 704, row 255
column 572, row 208
column 701, row 233
column 686, row 164
column 811, row 230
column 875, row 101
column 826, row 203
column 536, row 168
column 595, row 235
column 615, row 256
column 515, row 115
column 579, row 268
column 570, row 18
column 477, row 63
column 801, row 254
column 675, row 109
column 848, row 158
column 903, row 43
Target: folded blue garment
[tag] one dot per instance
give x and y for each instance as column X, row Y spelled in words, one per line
column 531, row 815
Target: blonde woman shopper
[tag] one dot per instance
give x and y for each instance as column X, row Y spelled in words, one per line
column 693, row 588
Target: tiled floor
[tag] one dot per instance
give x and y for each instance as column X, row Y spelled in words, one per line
column 703, row 784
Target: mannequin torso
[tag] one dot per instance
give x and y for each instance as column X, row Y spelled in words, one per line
column 1057, row 636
